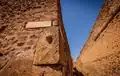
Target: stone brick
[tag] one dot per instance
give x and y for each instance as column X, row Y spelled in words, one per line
column 47, row 52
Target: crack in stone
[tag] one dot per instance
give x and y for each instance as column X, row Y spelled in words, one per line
column 4, row 65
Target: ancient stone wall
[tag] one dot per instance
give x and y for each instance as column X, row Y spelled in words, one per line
column 32, row 39
column 100, row 55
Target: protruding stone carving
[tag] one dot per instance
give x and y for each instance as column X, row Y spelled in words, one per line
column 47, row 51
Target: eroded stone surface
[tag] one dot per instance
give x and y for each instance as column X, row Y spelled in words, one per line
column 25, row 68
column 100, row 55
column 32, row 52
column 47, row 52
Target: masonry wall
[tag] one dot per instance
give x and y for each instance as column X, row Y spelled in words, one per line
column 32, row 50
column 100, row 55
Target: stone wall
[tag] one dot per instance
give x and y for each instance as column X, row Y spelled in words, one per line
column 100, row 55
column 39, row 49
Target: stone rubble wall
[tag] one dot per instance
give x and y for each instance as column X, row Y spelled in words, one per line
column 42, row 51
column 100, row 55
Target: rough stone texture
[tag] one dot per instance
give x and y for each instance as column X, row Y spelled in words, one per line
column 26, row 68
column 101, row 54
column 47, row 48
column 37, row 51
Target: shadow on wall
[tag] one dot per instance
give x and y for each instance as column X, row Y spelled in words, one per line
column 76, row 72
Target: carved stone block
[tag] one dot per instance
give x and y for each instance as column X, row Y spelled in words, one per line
column 47, row 48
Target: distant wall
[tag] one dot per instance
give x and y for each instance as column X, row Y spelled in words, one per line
column 100, row 55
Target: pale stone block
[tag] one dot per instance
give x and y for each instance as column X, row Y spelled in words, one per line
column 38, row 24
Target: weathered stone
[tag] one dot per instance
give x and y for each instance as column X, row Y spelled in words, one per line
column 47, row 53
column 101, row 55
column 2, row 28
column 30, row 42
column 55, row 22
column 25, row 67
column 49, row 39
column 33, row 36
column 20, row 44
column 27, row 48
column 3, row 62
column 48, row 70
column 37, row 51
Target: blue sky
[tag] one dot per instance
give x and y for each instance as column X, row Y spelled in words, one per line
column 79, row 16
